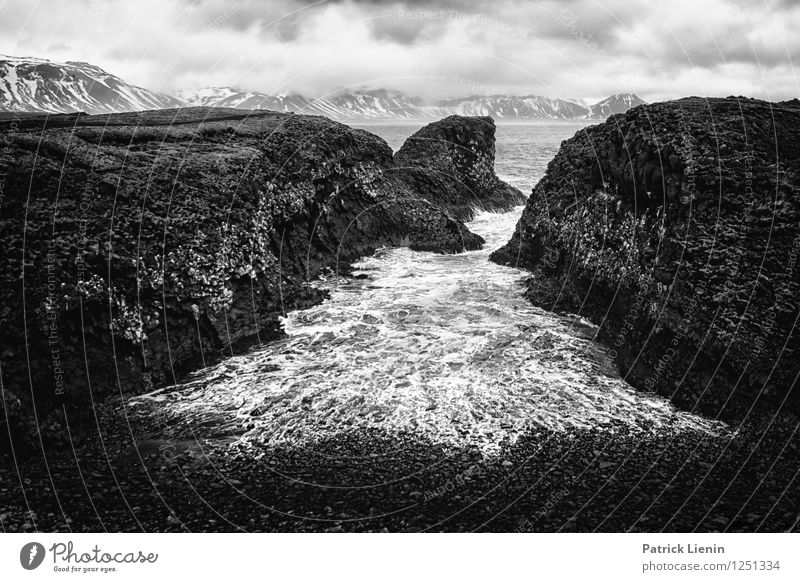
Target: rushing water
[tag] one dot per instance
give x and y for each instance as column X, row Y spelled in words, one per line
column 443, row 346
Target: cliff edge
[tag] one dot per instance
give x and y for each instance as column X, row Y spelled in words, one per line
column 676, row 228
column 451, row 162
column 141, row 246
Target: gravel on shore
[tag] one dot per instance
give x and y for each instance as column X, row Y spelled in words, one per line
column 592, row 480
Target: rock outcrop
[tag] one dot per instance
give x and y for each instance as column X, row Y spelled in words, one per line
column 676, row 228
column 451, row 162
column 141, row 246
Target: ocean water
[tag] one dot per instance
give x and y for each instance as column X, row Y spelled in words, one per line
column 442, row 346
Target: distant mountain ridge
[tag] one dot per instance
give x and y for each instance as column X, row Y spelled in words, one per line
column 30, row 84
column 385, row 104
column 37, row 85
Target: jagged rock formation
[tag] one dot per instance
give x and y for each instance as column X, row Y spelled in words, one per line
column 676, row 228
column 142, row 246
column 451, row 162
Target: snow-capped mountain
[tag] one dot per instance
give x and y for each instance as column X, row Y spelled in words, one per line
column 227, row 97
column 384, row 104
column 38, row 85
column 512, row 107
column 342, row 105
column 615, row 104
column 31, row 85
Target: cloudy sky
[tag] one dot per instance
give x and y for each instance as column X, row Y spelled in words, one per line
column 573, row 48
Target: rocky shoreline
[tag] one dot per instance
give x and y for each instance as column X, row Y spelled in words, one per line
column 142, row 246
column 675, row 227
column 596, row 480
column 331, row 194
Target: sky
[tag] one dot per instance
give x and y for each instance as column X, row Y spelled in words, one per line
column 448, row 48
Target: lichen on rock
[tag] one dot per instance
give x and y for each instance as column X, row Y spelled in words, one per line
column 676, row 228
column 141, row 246
column 451, row 162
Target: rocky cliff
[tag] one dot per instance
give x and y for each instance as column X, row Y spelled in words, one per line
column 676, row 228
column 141, row 246
column 451, row 162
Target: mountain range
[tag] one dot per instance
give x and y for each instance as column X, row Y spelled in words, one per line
column 32, row 85
column 38, row 85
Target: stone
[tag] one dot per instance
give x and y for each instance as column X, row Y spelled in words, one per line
column 451, row 163
column 142, row 246
column 675, row 227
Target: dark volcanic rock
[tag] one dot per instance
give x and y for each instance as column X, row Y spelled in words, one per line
column 676, row 227
column 141, row 246
column 451, row 162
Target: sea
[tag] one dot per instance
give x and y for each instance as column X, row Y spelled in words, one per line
column 444, row 346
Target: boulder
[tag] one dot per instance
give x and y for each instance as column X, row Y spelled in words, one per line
column 451, row 162
column 676, row 228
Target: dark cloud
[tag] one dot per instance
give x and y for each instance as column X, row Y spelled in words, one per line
column 402, row 31
column 572, row 48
